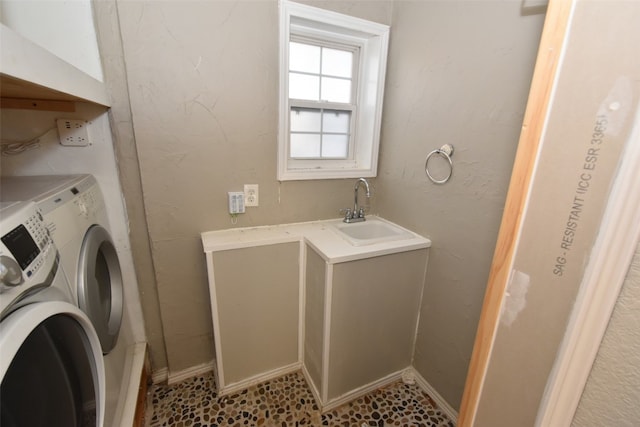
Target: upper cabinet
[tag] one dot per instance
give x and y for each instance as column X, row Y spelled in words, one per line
column 50, row 52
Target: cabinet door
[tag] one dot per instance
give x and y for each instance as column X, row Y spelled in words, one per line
column 257, row 292
column 374, row 312
column 315, row 281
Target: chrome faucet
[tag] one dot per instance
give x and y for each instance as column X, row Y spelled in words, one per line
column 357, row 214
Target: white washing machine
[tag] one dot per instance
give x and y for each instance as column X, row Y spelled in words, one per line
column 51, row 363
column 74, row 212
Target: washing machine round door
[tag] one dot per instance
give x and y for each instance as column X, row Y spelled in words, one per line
column 100, row 285
column 52, row 368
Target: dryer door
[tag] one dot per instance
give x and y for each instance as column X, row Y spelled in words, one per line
column 100, row 285
column 52, row 368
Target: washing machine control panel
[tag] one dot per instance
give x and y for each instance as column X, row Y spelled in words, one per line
column 27, row 253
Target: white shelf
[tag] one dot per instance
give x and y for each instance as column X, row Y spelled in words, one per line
column 28, row 71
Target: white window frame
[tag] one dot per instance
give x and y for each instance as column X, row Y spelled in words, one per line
column 371, row 40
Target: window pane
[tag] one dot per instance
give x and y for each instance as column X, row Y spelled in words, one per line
column 336, row 90
column 302, row 86
column 336, row 62
column 335, row 146
column 304, row 120
column 336, row 121
column 304, row 146
column 304, row 57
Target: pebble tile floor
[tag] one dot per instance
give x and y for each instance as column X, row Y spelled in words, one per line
column 286, row 402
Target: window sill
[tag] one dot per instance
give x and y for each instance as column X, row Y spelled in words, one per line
column 309, row 174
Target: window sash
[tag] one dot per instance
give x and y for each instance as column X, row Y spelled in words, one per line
column 354, row 49
column 321, row 106
column 321, row 132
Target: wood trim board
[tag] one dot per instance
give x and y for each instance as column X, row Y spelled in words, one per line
column 544, row 77
column 37, row 104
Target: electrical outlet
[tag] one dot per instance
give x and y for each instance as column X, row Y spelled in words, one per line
column 251, row 195
column 73, row 133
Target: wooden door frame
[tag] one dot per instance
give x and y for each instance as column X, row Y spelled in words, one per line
column 544, row 79
column 620, row 229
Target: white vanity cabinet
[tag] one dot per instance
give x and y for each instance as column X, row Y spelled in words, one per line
column 360, row 321
column 300, row 296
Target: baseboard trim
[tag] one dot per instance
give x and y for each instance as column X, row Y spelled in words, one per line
column 361, row 391
column 312, row 386
column 160, row 376
column 176, row 377
column 443, row 405
column 257, row 379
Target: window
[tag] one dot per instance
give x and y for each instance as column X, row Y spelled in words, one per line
column 321, row 103
column 331, row 83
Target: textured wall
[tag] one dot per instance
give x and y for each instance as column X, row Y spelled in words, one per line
column 612, row 392
column 112, row 55
column 459, row 73
column 202, row 79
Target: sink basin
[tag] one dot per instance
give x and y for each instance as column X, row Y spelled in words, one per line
column 371, row 231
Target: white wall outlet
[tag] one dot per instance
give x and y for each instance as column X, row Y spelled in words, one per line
column 73, row 133
column 251, row 195
column 236, row 202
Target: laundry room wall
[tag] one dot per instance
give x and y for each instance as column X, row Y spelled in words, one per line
column 112, row 55
column 459, row 73
column 202, row 80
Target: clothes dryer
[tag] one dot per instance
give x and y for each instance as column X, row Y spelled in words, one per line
column 29, row 259
column 74, row 211
column 51, row 363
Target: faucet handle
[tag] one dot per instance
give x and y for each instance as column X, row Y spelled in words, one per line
column 361, row 213
column 347, row 212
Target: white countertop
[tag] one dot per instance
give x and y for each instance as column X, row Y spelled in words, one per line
column 321, row 235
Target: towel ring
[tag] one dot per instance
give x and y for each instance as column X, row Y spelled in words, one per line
column 445, row 151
